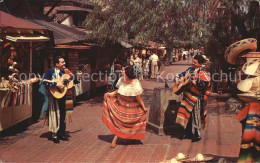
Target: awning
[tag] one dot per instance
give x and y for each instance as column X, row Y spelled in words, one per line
column 31, row 38
column 62, row 34
column 72, row 47
column 8, row 20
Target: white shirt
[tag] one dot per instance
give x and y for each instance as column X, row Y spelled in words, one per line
column 154, row 58
column 56, row 73
column 129, row 89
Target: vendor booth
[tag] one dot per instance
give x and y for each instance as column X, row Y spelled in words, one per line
column 20, row 38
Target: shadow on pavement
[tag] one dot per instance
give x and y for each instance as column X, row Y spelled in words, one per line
column 72, row 132
column 46, row 135
column 170, row 127
column 120, row 141
column 106, row 138
column 19, row 131
column 224, row 159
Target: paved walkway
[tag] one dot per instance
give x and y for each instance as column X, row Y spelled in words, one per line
column 90, row 138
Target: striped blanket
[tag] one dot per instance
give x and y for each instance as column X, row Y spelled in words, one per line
column 190, row 97
column 18, row 98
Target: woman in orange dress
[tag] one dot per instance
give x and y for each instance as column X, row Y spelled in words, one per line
column 124, row 112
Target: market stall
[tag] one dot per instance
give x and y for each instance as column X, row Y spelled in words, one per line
column 19, row 37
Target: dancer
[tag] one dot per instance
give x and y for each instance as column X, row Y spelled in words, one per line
column 124, row 112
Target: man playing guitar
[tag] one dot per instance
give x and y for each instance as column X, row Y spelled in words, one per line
column 57, row 107
column 192, row 112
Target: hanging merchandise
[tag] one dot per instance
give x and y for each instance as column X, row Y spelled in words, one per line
column 250, row 88
column 18, row 92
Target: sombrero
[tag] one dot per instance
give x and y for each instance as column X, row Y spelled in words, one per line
column 202, row 158
column 251, row 55
column 238, row 48
column 249, row 97
column 179, row 158
column 252, row 67
column 249, row 85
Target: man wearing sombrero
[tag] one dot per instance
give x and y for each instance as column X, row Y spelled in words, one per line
column 192, row 112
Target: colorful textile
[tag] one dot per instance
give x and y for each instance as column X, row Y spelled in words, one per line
column 188, row 102
column 18, row 98
column 69, row 101
column 6, row 100
column 249, row 116
column 190, row 97
column 124, row 116
column 23, row 95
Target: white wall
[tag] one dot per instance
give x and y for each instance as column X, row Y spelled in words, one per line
column 68, row 21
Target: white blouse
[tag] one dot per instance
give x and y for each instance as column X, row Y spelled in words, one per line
column 129, row 89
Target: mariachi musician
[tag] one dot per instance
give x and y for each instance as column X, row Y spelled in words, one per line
column 59, row 106
column 192, row 112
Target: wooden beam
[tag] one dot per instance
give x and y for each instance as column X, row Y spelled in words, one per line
column 55, row 4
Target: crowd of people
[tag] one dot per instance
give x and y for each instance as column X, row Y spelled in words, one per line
column 148, row 63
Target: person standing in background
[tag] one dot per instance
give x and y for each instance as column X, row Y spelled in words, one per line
column 154, row 65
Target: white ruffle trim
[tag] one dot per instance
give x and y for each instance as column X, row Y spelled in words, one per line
column 129, row 89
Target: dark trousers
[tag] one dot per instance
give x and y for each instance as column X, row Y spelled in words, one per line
column 62, row 107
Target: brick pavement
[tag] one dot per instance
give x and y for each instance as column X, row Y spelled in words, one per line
column 90, row 138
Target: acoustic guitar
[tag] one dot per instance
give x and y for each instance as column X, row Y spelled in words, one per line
column 66, row 80
column 184, row 83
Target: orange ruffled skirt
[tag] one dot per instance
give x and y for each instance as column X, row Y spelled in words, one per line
column 124, row 116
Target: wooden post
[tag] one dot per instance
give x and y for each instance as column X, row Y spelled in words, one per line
column 30, row 56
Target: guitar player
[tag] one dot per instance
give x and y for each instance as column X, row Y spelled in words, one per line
column 58, row 107
column 192, row 112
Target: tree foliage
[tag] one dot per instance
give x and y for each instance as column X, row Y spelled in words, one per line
column 176, row 23
column 172, row 22
column 241, row 20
